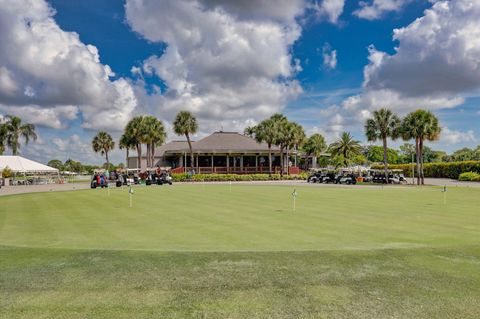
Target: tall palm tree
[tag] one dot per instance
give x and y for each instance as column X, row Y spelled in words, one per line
column 3, row 136
column 345, row 146
column 383, row 125
column 103, row 143
column 282, row 136
column 186, row 124
column 126, row 142
column 265, row 132
column 14, row 130
column 158, row 138
column 249, row 131
column 315, row 145
column 135, row 129
column 295, row 137
column 420, row 125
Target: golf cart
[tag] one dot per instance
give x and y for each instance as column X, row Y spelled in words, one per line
column 394, row 176
column 163, row 177
column 99, row 179
column 315, row 177
column 346, row 176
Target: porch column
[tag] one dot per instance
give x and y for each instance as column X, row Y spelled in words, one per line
column 212, row 163
column 256, row 163
column 241, row 163
column 198, row 169
column 228, row 163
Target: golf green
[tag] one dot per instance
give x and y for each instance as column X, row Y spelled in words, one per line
column 241, row 251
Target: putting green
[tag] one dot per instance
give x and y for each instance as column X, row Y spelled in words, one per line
column 212, row 217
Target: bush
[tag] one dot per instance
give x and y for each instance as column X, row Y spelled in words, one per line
column 469, row 176
column 440, row 170
column 235, row 177
column 7, row 172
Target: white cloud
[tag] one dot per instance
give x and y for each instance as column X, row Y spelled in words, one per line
column 375, row 9
column 436, row 65
column 330, row 9
column 45, row 69
column 49, row 117
column 454, row 137
column 329, row 56
column 227, row 62
column 437, row 54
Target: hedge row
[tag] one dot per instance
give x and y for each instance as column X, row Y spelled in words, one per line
column 469, row 176
column 235, row 177
column 439, row 170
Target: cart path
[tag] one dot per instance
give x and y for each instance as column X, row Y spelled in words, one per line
column 10, row 190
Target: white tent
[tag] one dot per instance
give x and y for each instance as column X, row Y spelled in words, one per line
column 22, row 165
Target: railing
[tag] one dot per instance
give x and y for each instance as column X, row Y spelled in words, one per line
column 237, row 170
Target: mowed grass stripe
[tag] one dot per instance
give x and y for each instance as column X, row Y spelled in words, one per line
column 210, row 217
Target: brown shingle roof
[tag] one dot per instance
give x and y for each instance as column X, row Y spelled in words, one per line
column 218, row 142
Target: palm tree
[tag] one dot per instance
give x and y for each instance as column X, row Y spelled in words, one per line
column 295, row 137
column 3, row 136
column 315, row 145
column 265, row 132
column 126, row 142
column 282, row 135
column 14, row 130
column 103, row 143
column 186, row 124
column 345, row 146
column 249, row 131
column 158, row 138
column 420, row 125
column 134, row 130
column 383, row 125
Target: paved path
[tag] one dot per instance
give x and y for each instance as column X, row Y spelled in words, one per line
column 9, row 190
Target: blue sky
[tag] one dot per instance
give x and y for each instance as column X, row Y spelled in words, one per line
column 233, row 64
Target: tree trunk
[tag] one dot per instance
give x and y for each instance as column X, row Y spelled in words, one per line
column 148, row 155
column 152, row 150
column 126, row 163
column 417, row 152
column 139, row 156
column 108, row 162
column 422, row 177
column 191, row 151
column 270, row 159
column 281, row 161
column 288, row 161
column 385, row 162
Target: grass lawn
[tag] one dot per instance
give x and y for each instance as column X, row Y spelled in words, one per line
column 203, row 251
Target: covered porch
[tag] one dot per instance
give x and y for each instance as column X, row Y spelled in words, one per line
column 232, row 163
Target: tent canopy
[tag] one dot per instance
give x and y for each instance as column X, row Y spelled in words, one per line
column 20, row 164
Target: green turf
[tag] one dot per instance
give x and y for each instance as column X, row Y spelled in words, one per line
column 203, row 251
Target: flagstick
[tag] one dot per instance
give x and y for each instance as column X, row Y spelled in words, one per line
column 294, row 203
column 230, row 186
column 444, row 198
column 131, row 204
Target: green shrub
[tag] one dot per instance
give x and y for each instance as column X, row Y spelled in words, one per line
column 440, row 170
column 7, row 172
column 469, row 176
column 235, row 177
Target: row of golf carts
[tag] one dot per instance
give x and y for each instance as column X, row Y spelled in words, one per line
column 131, row 177
column 351, row 176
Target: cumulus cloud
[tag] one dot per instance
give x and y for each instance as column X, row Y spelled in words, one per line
column 329, row 9
column 436, row 65
column 329, row 56
column 454, row 136
column 377, row 8
column 48, row 72
column 228, row 62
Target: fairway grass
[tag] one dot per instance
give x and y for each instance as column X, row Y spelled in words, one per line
column 211, row 251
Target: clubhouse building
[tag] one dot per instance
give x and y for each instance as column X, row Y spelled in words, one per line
column 220, row 152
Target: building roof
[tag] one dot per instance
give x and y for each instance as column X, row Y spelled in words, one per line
column 20, row 164
column 218, row 142
column 225, row 142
